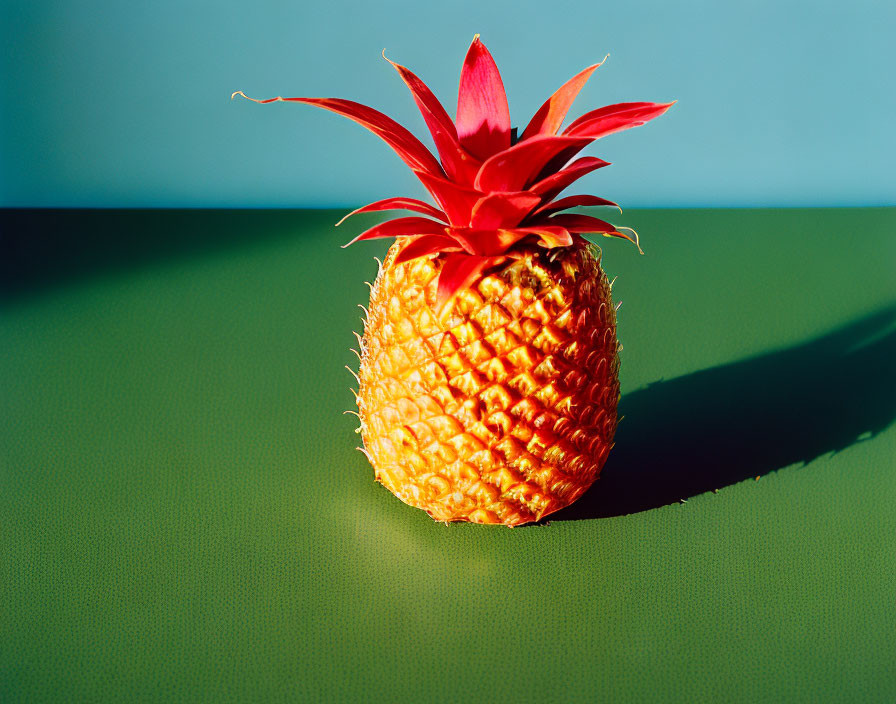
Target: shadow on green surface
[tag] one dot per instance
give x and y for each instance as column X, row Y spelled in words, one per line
column 680, row 437
column 43, row 249
column 719, row 426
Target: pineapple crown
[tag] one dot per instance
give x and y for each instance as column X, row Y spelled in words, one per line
column 494, row 191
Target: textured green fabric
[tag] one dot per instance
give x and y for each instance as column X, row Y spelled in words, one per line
column 183, row 516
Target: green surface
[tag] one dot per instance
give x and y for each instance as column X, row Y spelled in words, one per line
column 183, row 516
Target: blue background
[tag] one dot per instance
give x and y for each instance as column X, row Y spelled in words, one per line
column 122, row 104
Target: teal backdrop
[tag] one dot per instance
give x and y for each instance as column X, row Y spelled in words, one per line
column 110, row 104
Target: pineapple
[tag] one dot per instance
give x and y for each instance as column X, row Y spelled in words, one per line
column 488, row 381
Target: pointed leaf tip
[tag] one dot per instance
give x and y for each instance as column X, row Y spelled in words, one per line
column 410, row 149
column 549, row 187
column 551, row 115
column 401, row 227
column 398, row 203
column 459, row 165
column 257, row 100
column 615, row 118
column 572, row 202
column 635, row 239
column 483, row 116
column 424, row 246
column 584, row 224
column 581, row 224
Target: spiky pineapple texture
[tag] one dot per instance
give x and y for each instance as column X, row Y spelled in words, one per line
column 502, row 409
column 496, row 441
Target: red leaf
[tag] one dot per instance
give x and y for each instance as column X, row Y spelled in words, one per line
column 459, row 165
column 549, row 187
column 503, row 209
column 633, row 238
column 456, row 200
column 486, row 242
column 572, row 202
column 483, row 118
column 550, row 235
column 513, row 169
column 401, row 227
column 551, row 115
column 459, row 271
column 426, row 245
column 433, row 111
column 615, row 118
column 580, row 223
column 406, row 145
column 398, row 204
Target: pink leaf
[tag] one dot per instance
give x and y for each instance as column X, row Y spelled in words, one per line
column 614, row 118
column 503, row 209
column 406, row 145
column 398, row 204
column 549, row 187
column 483, row 118
column 551, row 115
column 401, row 227
column 513, row 168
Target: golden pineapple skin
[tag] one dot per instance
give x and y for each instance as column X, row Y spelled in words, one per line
column 502, row 409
